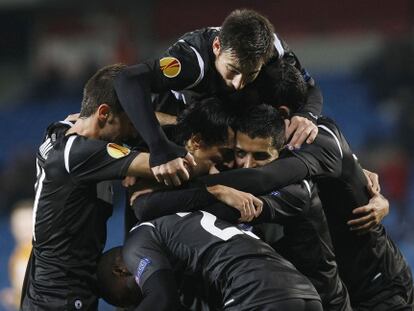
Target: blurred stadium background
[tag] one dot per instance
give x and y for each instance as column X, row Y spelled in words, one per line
column 360, row 52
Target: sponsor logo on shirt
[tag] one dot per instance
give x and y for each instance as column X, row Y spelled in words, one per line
column 245, row 227
column 143, row 263
column 275, row 193
column 170, row 66
column 117, row 151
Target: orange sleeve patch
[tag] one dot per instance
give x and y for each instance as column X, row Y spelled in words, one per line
column 117, row 151
column 170, row 66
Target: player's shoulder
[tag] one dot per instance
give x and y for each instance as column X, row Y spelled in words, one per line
column 330, row 134
column 54, row 140
column 326, row 122
column 200, row 37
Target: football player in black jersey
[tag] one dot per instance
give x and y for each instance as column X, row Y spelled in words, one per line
column 306, row 242
column 370, row 264
column 73, row 201
column 204, row 128
column 210, row 61
column 239, row 271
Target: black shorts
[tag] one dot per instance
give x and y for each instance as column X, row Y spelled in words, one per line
column 398, row 296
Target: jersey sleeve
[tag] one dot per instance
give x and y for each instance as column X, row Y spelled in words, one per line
column 280, row 206
column 143, row 253
column 178, row 69
column 260, row 180
column 133, row 88
column 323, row 157
column 161, row 203
column 91, row 160
column 312, row 108
column 181, row 67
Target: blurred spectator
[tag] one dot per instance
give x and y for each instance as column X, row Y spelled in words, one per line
column 21, row 227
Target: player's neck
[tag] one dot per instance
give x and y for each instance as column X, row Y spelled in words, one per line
column 86, row 127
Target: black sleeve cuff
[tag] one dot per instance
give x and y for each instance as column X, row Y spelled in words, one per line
column 164, row 152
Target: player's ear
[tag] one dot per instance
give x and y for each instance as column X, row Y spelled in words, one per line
column 284, row 111
column 103, row 112
column 120, row 271
column 216, row 46
column 195, row 142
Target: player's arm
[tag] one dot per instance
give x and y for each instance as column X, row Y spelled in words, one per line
column 312, row 108
column 277, row 207
column 92, row 160
column 156, row 204
column 177, row 70
column 166, row 119
column 372, row 213
column 282, row 205
column 227, row 203
column 324, row 156
column 303, row 122
column 260, row 180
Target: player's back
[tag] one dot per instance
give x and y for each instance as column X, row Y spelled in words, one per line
column 366, row 262
column 243, row 269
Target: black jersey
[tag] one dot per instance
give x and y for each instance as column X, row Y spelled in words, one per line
column 369, row 262
column 72, row 205
column 244, row 271
column 187, row 65
column 306, row 242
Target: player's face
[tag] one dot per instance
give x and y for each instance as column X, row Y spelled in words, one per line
column 211, row 159
column 117, row 128
column 235, row 75
column 254, row 152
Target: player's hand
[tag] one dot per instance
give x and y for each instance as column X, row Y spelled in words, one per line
column 302, row 130
column 247, row 204
column 129, row 181
column 370, row 215
column 137, row 194
column 72, row 117
column 174, row 172
column 373, row 182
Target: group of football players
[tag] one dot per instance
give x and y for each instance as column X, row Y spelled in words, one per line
column 243, row 196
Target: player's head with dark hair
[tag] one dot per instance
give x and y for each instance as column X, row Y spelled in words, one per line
column 260, row 135
column 244, row 44
column 205, row 129
column 116, row 284
column 100, row 89
column 101, row 106
column 282, row 84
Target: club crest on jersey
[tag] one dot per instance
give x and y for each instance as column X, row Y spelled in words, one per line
column 143, row 263
column 170, row 66
column 117, row 151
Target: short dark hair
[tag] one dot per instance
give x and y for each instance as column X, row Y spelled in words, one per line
column 118, row 290
column 249, row 35
column 263, row 121
column 100, row 90
column 205, row 117
column 282, row 83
